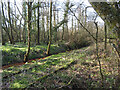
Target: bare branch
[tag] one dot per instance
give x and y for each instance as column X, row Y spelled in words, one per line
column 20, row 13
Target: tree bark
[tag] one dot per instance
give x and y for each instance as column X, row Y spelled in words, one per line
column 72, row 27
column 100, row 66
column 43, row 26
column 26, row 56
column 24, row 27
column 105, row 28
column 55, row 31
column 63, row 32
column 38, row 36
column 50, row 29
column 12, row 38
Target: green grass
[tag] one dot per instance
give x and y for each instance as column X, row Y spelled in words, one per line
column 43, row 67
column 15, row 53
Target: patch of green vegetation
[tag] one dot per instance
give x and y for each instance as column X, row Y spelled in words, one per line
column 15, row 53
column 42, row 67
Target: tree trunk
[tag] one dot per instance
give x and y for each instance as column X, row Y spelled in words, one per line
column 50, row 28
column 1, row 33
column 105, row 28
column 100, row 66
column 55, row 31
column 43, row 26
column 57, row 22
column 72, row 27
column 38, row 36
column 26, row 56
column 4, row 22
column 75, row 26
column 12, row 38
column 63, row 32
column 47, row 26
column 24, row 27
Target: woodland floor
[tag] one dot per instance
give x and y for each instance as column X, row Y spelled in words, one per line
column 68, row 70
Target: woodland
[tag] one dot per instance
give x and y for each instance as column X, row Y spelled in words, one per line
column 60, row 44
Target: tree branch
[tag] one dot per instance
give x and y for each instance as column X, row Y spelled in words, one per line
column 83, row 25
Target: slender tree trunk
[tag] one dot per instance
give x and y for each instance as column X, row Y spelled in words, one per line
column 12, row 38
column 63, row 32
column 19, row 34
column 34, row 27
column 58, row 34
column 38, row 36
column 85, row 17
column 24, row 27
column 105, row 28
column 72, row 27
column 78, row 22
column 47, row 26
column 43, row 26
column 2, row 37
column 26, row 56
column 55, row 31
column 100, row 66
column 66, row 30
column 49, row 44
column 75, row 25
